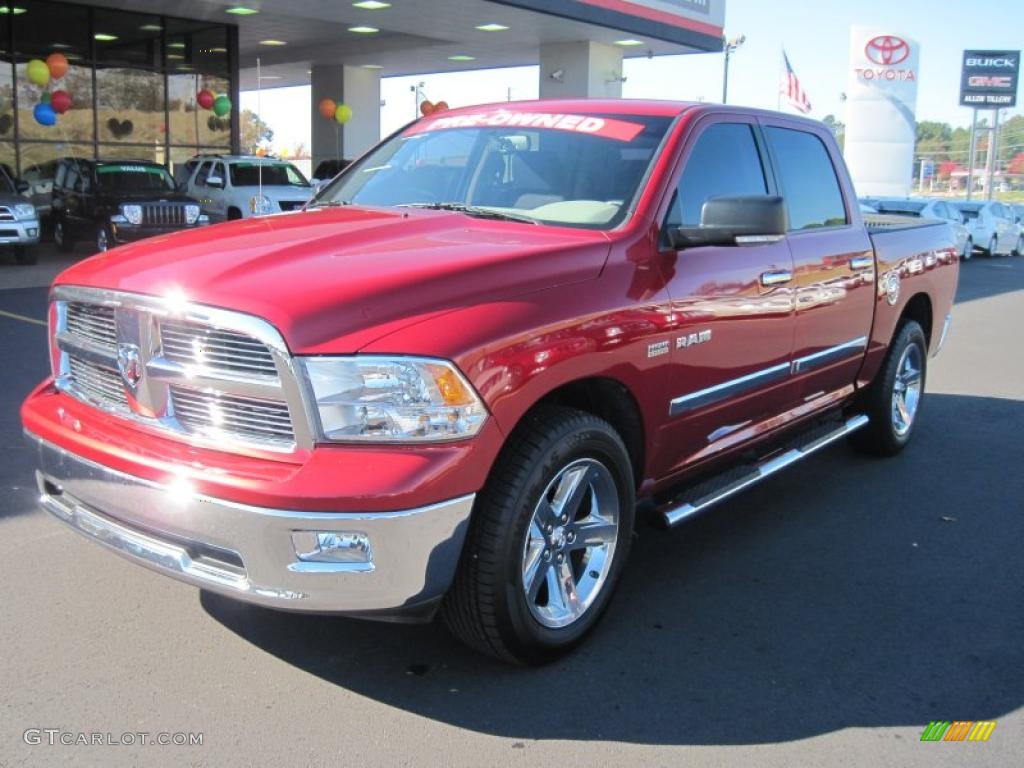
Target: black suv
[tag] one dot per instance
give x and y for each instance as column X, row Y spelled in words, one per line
column 109, row 203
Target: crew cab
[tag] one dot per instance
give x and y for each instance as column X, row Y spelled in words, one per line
column 446, row 383
column 115, row 202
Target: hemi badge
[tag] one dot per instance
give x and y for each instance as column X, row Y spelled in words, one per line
column 657, row 349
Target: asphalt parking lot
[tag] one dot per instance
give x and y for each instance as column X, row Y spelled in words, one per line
column 823, row 618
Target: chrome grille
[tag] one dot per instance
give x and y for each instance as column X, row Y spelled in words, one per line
column 100, row 386
column 92, row 322
column 209, row 375
column 214, row 414
column 5, row 213
column 216, row 350
column 161, row 215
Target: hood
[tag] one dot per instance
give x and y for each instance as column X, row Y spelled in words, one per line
column 147, row 197
column 284, row 192
column 335, row 279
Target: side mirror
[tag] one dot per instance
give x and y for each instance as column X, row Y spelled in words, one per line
column 747, row 220
column 22, row 186
column 215, row 181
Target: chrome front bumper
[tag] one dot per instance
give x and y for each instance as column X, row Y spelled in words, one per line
column 19, row 232
column 248, row 552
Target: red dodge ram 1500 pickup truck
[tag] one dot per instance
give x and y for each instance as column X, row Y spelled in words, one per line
column 447, row 382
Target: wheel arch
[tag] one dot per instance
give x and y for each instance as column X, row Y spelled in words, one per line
column 919, row 309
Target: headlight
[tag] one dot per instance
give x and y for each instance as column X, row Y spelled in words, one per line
column 260, row 204
column 392, row 399
column 133, row 213
column 24, row 211
column 191, row 214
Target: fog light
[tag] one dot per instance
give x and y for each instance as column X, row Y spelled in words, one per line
column 332, row 547
column 33, row 232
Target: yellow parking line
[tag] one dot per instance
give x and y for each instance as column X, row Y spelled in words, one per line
column 23, row 319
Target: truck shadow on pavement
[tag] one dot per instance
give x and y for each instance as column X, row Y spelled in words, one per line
column 849, row 592
column 983, row 277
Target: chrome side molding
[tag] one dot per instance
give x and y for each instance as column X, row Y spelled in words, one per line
column 675, row 514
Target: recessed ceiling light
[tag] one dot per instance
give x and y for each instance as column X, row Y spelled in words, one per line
column 270, row 77
column 176, row 56
column 461, row 57
column 60, row 46
column 178, row 46
column 371, row 5
column 373, row 66
column 273, row 42
column 629, row 42
column 183, row 68
column 492, row 27
column 218, row 50
column 103, row 37
column 363, row 30
column 151, row 28
column 8, row 9
column 240, row 10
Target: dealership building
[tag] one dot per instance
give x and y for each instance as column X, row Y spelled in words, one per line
column 135, row 68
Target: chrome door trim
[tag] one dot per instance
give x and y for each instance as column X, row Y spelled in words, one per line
column 830, row 355
column 727, row 389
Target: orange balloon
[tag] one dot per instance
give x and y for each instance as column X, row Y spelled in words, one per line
column 58, row 64
column 441, row 106
column 426, row 107
column 326, row 108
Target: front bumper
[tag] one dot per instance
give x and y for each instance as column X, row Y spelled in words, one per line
column 129, row 233
column 247, row 552
column 19, row 232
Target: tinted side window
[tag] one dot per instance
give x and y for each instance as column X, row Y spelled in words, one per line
column 807, row 178
column 724, row 163
column 58, row 179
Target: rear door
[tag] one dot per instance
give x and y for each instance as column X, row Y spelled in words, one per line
column 733, row 306
column 833, row 258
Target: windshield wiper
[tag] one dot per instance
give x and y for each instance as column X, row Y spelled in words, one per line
column 327, row 203
column 474, row 210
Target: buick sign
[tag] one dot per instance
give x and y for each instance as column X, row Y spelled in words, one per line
column 988, row 79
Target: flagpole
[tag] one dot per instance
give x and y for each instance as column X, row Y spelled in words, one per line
column 778, row 89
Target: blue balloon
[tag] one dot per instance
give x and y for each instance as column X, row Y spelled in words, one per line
column 44, row 114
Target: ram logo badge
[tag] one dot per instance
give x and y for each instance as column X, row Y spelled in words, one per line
column 693, row 338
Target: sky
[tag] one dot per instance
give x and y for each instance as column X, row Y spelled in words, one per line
column 814, row 33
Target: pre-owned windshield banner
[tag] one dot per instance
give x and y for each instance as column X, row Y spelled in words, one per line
column 606, row 127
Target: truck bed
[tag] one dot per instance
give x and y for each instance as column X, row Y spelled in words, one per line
column 886, row 222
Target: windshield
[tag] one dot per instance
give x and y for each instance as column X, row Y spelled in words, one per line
column 274, row 175
column 576, row 170
column 132, row 177
column 6, row 184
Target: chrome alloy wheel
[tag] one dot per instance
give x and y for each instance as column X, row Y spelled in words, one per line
column 906, row 391
column 102, row 242
column 570, row 543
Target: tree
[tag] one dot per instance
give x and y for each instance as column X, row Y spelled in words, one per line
column 1016, row 165
column 837, row 127
column 253, row 131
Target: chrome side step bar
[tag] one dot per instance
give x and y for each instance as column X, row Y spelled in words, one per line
column 677, row 513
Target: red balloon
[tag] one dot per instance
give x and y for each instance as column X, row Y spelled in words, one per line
column 327, row 108
column 426, row 107
column 60, row 101
column 205, row 99
column 441, row 106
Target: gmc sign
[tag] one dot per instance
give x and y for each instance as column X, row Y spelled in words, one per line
column 988, row 79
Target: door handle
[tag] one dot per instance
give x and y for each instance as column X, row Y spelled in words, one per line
column 777, row 277
column 861, row 262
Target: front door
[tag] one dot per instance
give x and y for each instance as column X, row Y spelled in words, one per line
column 733, row 306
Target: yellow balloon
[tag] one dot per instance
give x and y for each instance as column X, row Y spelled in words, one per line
column 38, row 72
column 343, row 113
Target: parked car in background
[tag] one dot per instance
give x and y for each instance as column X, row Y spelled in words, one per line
column 991, row 225
column 924, row 208
column 109, row 203
column 19, row 223
column 239, row 186
column 327, row 170
column 446, row 382
column 39, row 178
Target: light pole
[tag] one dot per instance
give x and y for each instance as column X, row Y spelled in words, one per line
column 730, row 48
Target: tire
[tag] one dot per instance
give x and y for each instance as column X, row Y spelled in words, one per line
column 993, row 244
column 1018, row 249
column 25, row 255
column 61, row 236
column 893, row 401
column 103, row 243
column 968, row 250
column 234, row 213
column 509, row 545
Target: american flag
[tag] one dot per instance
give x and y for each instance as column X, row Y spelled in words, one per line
column 790, row 88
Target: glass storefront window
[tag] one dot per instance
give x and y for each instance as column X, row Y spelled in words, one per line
column 36, row 153
column 130, row 105
column 197, row 46
column 150, row 153
column 131, row 39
